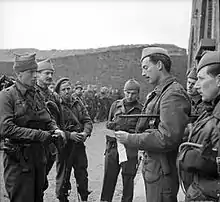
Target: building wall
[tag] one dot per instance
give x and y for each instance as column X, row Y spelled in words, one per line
column 205, row 23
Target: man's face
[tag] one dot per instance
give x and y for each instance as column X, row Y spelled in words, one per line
column 190, row 87
column 28, row 77
column 45, row 76
column 131, row 95
column 66, row 90
column 206, row 85
column 78, row 91
column 150, row 71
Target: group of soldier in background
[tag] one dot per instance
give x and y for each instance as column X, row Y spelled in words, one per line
column 176, row 129
column 97, row 102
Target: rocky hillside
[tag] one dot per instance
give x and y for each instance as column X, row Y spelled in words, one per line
column 110, row 66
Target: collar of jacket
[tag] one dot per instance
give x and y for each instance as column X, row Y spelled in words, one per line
column 120, row 103
column 44, row 89
column 160, row 87
column 216, row 111
column 196, row 99
column 23, row 88
column 70, row 103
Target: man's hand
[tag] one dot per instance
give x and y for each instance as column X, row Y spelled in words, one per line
column 83, row 136
column 59, row 132
column 75, row 136
column 122, row 136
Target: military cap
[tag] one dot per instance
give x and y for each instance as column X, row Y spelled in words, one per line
column 45, row 65
column 192, row 74
column 209, row 58
column 146, row 52
column 132, row 84
column 25, row 62
column 59, row 82
column 78, row 84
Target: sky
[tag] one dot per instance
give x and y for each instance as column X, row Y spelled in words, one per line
column 82, row 24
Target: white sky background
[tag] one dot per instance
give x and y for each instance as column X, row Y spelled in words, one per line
column 81, row 24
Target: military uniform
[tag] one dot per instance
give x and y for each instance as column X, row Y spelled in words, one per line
column 161, row 138
column 91, row 104
column 24, row 122
column 57, row 115
column 112, row 166
column 205, row 128
column 76, row 118
column 52, row 100
column 103, row 106
column 198, row 106
column 200, row 155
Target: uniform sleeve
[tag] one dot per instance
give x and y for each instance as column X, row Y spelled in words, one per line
column 8, row 129
column 85, row 119
column 174, row 116
column 110, row 124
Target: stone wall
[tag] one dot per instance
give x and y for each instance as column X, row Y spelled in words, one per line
column 110, row 67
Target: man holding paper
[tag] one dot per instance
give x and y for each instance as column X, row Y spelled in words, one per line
column 116, row 155
column 160, row 136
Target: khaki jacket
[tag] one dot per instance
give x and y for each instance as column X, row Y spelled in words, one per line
column 126, row 124
column 162, row 136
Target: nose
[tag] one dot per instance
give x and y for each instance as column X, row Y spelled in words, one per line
column 143, row 73
column 50, row 75
column 129, row 95
column 196, row 86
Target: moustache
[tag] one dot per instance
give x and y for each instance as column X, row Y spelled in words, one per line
column 49, row 79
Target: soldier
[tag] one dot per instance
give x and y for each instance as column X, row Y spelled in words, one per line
column 160, row 138
column 27, row 127
column 79, row 92
column 103, row 103
column 90, row 103
column 45, row 74
column 196, row 101
column 200, row 156
column 127, row 105
column 78, row 123
column 197, row 107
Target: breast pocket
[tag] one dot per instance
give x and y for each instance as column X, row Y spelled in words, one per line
column 152, row 170
column 20, row 108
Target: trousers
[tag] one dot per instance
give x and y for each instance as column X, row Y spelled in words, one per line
column 111, row 172
column 79, row 162
column 24, row 174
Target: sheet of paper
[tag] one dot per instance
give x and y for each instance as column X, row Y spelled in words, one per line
column 110, row 133
column 122, row 153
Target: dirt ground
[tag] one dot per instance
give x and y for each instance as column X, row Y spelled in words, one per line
column 95, row 150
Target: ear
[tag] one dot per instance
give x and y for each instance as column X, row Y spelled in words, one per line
column 17, row 74
column 159, row 65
